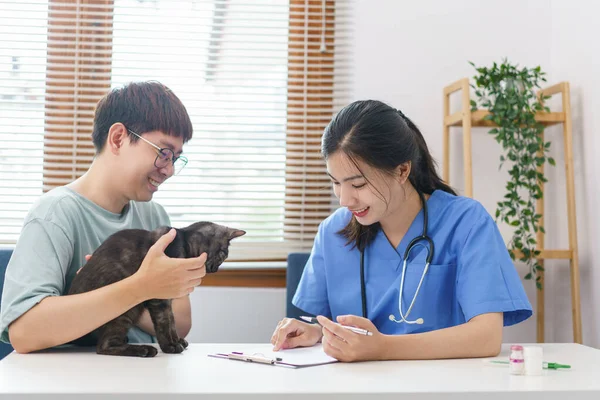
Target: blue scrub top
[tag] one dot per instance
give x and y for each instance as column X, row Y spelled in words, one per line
column 471, row 272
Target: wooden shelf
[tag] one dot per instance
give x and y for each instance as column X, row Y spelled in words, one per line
column 477, row 118
column 467, row 119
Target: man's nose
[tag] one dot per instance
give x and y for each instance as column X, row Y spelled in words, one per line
column 168, row 170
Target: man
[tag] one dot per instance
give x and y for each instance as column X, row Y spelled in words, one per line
column 139, row 131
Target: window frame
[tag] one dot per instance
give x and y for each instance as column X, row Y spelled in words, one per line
column 88, row 80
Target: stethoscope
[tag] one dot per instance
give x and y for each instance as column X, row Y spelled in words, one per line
column 416, row 241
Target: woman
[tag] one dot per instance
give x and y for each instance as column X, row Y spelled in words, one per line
column 458, row 285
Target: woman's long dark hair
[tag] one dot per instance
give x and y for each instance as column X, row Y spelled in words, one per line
column 384, row 138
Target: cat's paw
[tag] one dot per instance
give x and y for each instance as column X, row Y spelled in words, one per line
column 183, row 342
column 172, row 348
column 127, row 350
column 147, row 351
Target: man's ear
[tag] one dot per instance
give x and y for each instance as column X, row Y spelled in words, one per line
column 403, row 171
column 116, row 138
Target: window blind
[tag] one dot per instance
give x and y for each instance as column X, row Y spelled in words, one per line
column 259, row 78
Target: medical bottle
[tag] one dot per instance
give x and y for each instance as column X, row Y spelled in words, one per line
column 533, row 360
column 517, row 361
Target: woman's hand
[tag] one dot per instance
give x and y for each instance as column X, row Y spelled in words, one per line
column 345, row 345
column 291, row 333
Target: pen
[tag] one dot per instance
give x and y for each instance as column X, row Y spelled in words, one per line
column 360, row 331
column 546, row 365
column 251, row 358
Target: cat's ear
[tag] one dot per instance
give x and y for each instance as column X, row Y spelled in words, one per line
column 234, row 233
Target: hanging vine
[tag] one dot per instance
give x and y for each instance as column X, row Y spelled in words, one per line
column 509, row 93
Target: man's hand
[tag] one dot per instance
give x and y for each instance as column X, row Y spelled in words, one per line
column 87, row 258
column 162, row 277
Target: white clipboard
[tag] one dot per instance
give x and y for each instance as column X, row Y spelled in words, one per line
column 291, row 358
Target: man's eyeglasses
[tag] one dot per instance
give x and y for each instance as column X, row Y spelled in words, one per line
column 165, row 156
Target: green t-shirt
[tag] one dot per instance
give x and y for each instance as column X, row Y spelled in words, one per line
column 59, row 230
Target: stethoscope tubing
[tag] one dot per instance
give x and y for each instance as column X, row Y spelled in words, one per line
column 411, row 245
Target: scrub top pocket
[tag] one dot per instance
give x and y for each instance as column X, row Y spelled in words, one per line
column 434, row 302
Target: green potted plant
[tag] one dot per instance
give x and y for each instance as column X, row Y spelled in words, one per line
column 509, row 94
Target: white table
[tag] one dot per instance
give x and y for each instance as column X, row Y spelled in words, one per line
column 77, row 373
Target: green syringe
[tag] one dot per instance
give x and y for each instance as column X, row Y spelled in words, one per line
column 545, row 365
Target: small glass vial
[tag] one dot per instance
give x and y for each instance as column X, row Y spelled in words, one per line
column 516, row 360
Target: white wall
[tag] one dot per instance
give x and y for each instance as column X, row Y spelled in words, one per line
column 572, row 30
column 235, row 315
column 405, row 53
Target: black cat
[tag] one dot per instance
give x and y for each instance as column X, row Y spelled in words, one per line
column 120, row 256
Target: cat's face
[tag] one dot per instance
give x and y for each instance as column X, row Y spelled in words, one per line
column 210, row 238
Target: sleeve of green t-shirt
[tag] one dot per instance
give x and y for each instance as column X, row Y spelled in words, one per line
column 35, row 270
